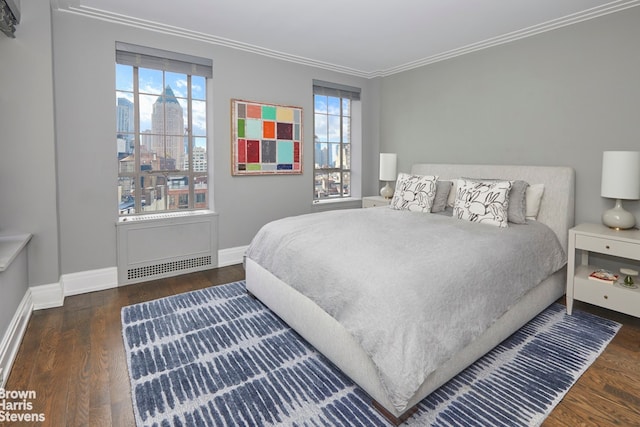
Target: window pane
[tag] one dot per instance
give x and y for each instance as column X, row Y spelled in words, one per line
column 124, row 112
column 147, row 103
column 125, row 145
column 334, row 155
column 175, row 153
column 126, row 164
column 126, row 194
column 201, row 190
column 177, row 83
column 333, row 106
column 346, row 184
column 320, row 104
column 199, row 155
column 334, row 184
column 153, row 191
column 150, row 81
column 321, row 185
column 346, row 129
column 124, row 124
column 199, row 109
column 124, row 77
column 178, row 191
column 181, row 114
column 346, row 156
column 346, row 107
column 322, row 154
column 320, row 128
column 334, row 129
column 198, row 87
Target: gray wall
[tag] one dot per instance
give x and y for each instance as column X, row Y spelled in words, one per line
column 85, row 122
column 558, row 98
column 27, row 142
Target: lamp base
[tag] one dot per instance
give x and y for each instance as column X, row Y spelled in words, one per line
column 618, row 218
column 386, row 191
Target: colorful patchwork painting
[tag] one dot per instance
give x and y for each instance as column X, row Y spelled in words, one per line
column 265, row 138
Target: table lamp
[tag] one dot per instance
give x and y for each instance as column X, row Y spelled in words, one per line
column 387, row 173
column 620, row 181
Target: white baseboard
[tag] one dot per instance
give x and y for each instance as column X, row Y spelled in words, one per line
column 231, row 256
column 52, row 295
column 89, row 281
column 13, row 336
column 47, row 296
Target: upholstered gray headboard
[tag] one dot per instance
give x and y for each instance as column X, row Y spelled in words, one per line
column 558, row 202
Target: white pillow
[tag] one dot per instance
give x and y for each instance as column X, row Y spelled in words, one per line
column 486, row 202
column 452, row 193
column 534, row 197
column 414, row 192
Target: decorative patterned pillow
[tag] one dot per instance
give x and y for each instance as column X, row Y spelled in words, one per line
column 517, row 201
column 486, row 202
column 414, row 192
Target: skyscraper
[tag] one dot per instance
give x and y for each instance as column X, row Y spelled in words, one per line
column 167, row 119
column 125, row 127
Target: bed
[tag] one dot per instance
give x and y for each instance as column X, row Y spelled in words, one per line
column 418, row 345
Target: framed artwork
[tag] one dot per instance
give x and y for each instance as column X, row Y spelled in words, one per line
column 266, row 139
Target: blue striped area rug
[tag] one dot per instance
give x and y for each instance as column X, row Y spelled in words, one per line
column 217, row 357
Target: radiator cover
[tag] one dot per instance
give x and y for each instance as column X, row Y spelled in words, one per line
column 164, row 245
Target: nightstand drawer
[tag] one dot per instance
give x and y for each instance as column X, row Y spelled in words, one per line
column 375, row 201
column 608, row 246
column 613, row 297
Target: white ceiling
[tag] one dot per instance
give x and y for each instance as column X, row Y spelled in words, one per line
column 367, row 38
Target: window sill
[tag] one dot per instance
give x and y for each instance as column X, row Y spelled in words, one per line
column 163, row 215
column 333, row 204
column 337, row 201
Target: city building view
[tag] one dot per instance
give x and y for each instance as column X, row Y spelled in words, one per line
column 332, row 148
column 155, row 164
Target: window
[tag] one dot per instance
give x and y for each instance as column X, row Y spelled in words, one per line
column 161, row 133
column 333, row 108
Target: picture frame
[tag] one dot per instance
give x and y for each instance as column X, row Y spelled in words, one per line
column 266, row 139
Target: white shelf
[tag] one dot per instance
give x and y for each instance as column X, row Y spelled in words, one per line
column 10, row 247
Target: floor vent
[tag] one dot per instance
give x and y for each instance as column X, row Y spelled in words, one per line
column 168, row 267
column 166, row 245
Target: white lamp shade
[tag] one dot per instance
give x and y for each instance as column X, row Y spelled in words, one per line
column 621, row 175
column 388, row 166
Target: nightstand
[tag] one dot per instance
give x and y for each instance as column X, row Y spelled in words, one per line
column 374, row 201
column 622, row 244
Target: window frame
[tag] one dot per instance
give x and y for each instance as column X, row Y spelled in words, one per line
column 138, row 57
column 343, row 93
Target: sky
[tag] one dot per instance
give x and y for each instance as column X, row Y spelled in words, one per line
column 151, row 85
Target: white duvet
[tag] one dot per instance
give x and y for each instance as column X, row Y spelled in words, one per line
column 412, row 288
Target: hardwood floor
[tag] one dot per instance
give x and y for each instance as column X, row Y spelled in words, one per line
column 73, row 358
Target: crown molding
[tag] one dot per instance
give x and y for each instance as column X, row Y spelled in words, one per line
column 544, row 27
column 207, row 38
column 612, row 7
